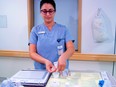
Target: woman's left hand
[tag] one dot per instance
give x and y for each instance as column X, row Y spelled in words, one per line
column 61, row 64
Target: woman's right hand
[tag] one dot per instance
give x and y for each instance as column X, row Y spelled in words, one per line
column 49, row 66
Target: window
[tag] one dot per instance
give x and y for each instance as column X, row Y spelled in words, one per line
column 64, row 15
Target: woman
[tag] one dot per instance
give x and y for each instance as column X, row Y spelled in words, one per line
column 50, row 41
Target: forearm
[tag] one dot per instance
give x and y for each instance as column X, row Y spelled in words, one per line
column 62, row 59
column 37, row 57
column 68, row 53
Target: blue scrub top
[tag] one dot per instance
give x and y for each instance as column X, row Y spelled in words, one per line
column 47, row 41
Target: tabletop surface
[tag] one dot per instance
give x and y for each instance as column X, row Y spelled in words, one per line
column 80, row 79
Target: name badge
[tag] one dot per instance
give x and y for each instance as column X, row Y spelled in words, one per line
column 41, row 32
column 60, row 50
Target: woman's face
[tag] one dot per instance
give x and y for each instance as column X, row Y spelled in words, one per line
column 47, row 12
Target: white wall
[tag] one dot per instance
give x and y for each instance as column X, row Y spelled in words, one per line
column 91, row 65
column 89, row 9
column 15, row 35
column 10, row 65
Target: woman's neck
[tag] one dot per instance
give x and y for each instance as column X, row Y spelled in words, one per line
column 50, row 25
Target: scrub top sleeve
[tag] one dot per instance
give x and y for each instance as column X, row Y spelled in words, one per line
column 68, row 36
column 33, row 36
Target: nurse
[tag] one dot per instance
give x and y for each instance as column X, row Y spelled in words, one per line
column 50, row 41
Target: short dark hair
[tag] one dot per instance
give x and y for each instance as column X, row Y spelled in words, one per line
column 52, row 2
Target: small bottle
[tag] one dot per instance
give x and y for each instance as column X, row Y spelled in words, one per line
column 64, row 73
column 9, row 83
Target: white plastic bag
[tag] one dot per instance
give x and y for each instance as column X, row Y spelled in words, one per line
column 100, row 26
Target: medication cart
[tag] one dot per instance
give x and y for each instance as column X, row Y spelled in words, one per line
column 34, row 78
column 83, row 79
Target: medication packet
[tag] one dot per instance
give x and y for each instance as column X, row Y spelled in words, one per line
column 55, row 74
